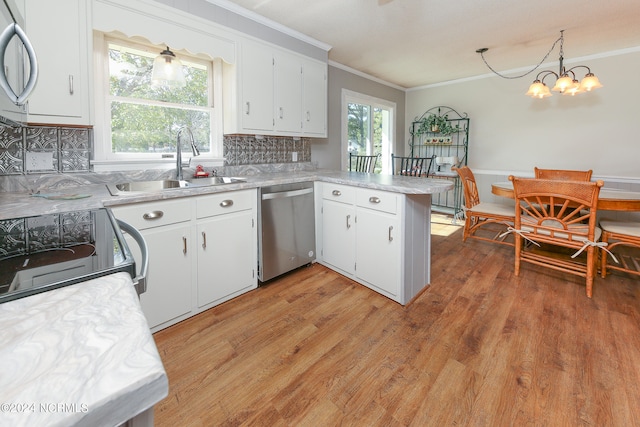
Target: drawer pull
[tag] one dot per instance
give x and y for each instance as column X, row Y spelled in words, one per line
column 390, row 236
column 204, row 240
column 226, row 203
column 374, row 199
column 184, row 245
column 348, row 225
column 153, row 215
column 336, row 193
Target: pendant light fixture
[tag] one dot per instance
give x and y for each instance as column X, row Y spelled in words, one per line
column 167, row 70
column 566, row 81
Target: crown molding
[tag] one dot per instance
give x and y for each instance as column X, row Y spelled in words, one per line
column 365, row 75
column 246, row 13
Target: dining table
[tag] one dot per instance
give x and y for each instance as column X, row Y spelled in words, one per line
column 610, row 199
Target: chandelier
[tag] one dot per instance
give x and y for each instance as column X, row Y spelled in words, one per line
column 566, row 81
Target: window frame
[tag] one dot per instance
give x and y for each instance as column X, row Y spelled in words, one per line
column 104, row 159
column 349, row 97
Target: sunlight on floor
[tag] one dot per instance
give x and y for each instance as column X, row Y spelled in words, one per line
column 443, row 225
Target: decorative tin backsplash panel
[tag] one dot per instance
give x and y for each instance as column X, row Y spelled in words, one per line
column 43, row 149
column 36, row 234
column 11, row 151
column 248, row 150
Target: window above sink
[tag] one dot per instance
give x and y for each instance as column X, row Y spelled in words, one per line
column 139, row 120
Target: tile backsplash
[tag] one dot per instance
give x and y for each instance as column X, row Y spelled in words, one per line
column 241, row 150
column 49, row 149
column 44, row 149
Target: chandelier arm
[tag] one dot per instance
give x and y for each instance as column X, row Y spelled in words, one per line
column 546, row 73
column 481, row 52
column 579, row 66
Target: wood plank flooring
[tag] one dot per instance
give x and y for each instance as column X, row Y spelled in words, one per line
column 480, row 347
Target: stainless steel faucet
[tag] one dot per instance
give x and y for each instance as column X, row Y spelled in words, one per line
column 194, row 149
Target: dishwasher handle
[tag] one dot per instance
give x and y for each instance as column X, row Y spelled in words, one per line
column 140, row 281
column 285, row 194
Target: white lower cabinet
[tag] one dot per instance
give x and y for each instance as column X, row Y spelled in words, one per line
column 380, row 239
column 339, row 235
column 227, row 246
column 168, row 294
column 202, row 251
column 378, row 254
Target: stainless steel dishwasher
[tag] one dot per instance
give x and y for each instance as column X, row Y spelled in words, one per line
column 286, row 230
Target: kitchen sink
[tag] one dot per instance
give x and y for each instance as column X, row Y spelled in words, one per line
column 215, row 180
column 167, row 184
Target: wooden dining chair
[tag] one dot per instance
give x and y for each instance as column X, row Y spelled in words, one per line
column 481, row 214
column 411, row 166
column 563, row 174
column 618, row 234
column 360, row 163
column 555, row 217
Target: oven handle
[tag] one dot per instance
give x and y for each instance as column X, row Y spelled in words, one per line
column 140, row 281
column 284, row 194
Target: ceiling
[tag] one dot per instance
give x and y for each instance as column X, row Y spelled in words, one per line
column 412, row 43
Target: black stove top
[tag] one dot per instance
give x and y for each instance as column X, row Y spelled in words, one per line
column 40, row 253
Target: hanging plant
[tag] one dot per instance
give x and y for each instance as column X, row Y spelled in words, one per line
column 434, row 123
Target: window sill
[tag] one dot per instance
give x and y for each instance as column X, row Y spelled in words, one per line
column 138, row 164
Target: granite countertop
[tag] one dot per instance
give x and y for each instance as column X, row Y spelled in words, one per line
column 19, row 204
column 80, row 355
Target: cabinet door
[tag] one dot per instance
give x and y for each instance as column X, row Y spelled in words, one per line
column 378, row 250
column 338, row 235
column 257, row 87
column 57, row 30
column 314, row 98
column 226, row 256
column 168, row 294
column 288, row 93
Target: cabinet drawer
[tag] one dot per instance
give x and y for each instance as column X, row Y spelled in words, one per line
column 224, row 203
column 155, row 214
column 378, row 200
column 339, row 193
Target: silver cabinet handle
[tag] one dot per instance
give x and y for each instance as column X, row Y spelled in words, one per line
column 70, row 84
column 281, row 112
column 390, row 237
column 348, row 218
column 226, row 203
column 308, row 116
column 153, row 215
column 374, row 199
column 336, row 193
column 184, row 245
column 248, row 109
column 204, row 240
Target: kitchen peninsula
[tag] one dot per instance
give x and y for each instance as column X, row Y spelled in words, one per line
column 380, row 225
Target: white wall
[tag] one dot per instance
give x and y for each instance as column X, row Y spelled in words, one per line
column 512, row 133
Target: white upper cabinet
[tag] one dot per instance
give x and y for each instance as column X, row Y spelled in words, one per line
column 256, row 89
column 273, row 91
column 58, row 32
column 287, row 90
column 314, row 98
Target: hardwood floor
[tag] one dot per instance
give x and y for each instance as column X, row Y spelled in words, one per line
column 480, row 347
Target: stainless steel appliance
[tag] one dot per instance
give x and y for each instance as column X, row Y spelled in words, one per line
column 40, row 253
column 286, row 230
